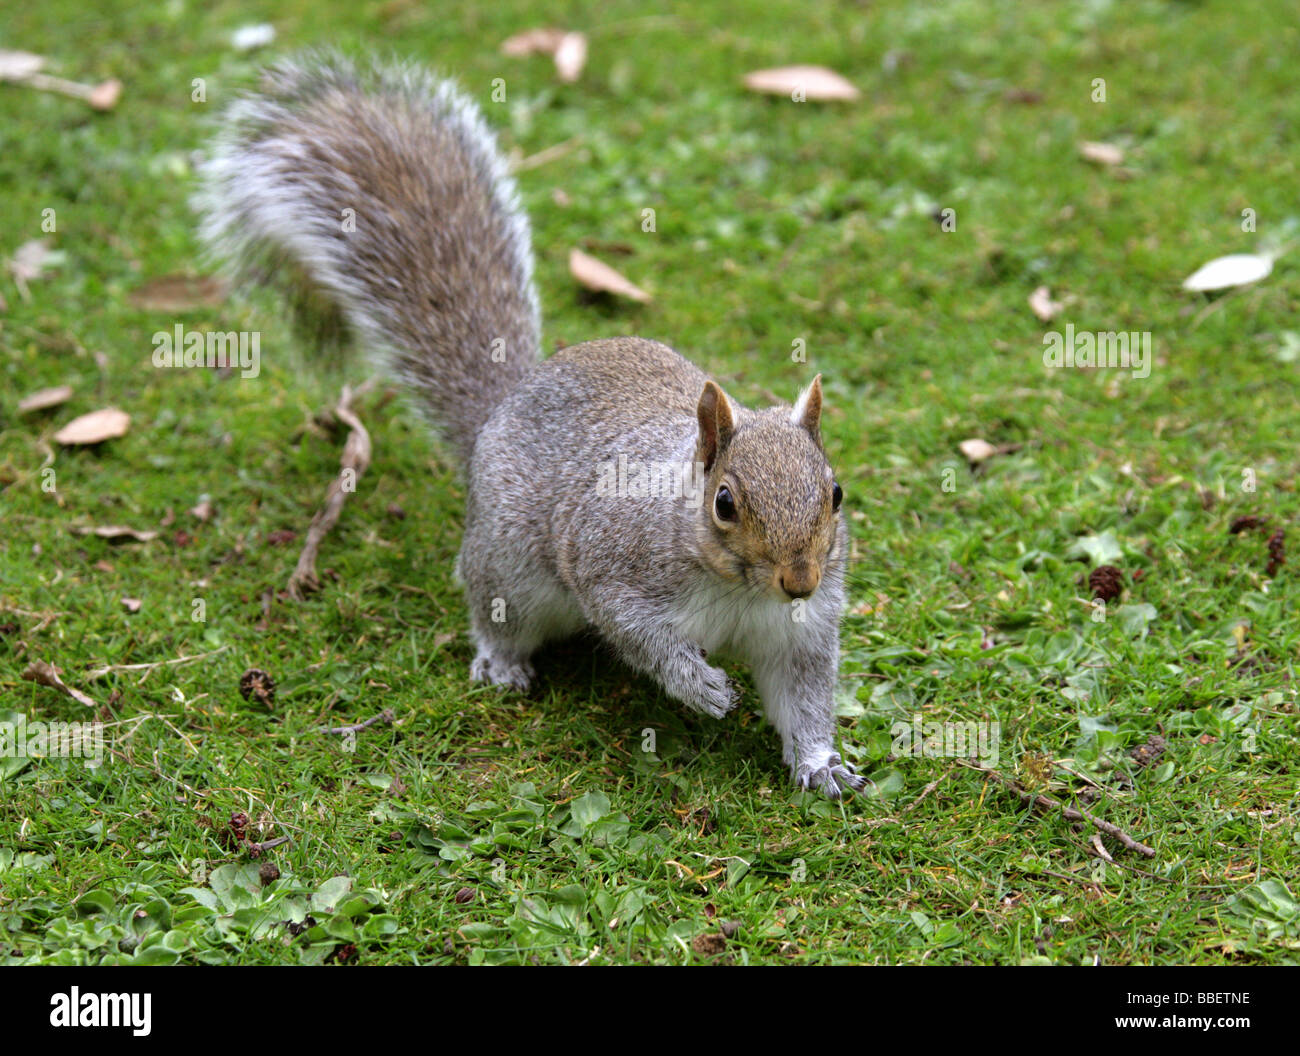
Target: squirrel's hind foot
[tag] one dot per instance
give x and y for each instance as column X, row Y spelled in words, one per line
column 832, row 778
column 501, row 670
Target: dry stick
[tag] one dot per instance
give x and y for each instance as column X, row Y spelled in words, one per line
column 100, row 672
column 534, row 161
column 46, row 618
column 1131, row 868
column 102, row 96
column 385, row 716
column 1070, row 812
column 927, row 790
column 355, row 460
column 256, row 849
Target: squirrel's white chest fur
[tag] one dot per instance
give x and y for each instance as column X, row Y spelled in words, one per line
column 738, row 620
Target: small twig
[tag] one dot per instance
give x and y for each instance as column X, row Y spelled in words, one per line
column 1073, row 879
column 1074, row 773
column 385, row 716
column 257, row 848
column 352, row 464
column 927, row 790
column 534, row 161
column 46, row 618
column 1100, row 848
column 1074, row 814
column 101, row 96
column 1088, row 849
column 100, row 672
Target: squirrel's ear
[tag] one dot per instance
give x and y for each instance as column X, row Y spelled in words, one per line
column 716, row 423
column 808, row 408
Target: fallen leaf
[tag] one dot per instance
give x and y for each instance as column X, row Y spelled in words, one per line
column 976, row 450
column 601, row 277
column 132, row 604
column 1101, row 153
column 43, row 399
column 179, row 293
column 248, row 38
column 1236, row 269
column 104, row 96
column 544, row 41
column 571, row 57
column 203, row 511
column 1042, row 304
column 1100, row 549
column 95, row 427
column 30, row 261
column 115, row 531
column 19, row 65
column 802, row 82
column 567, row 48
column 44, row 674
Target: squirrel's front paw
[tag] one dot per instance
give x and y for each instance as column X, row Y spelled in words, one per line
column 705, row 689
column 829, row 775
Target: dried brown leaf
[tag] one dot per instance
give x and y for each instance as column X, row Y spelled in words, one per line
column 1101, row 153
column 598, row 276
column 44, row 674
column 95, row 427
column 816, row 83
column 30, row 260
column 104, row 96
column 1237, row 269
column 540, row 41
column 571, row 57
column 43, row 399
column 1042, row 304
column 976, row 450
column 115, row 531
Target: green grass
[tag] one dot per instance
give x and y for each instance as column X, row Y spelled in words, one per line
column 775, row 221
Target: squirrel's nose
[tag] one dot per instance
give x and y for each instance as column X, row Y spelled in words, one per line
column 799, row 582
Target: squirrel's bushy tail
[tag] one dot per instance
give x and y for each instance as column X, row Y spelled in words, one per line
column 385, row 187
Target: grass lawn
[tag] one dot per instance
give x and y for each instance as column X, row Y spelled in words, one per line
column 481, row 826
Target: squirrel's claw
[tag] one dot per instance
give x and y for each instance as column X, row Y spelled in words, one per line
column 833, row 778
column 719, row 695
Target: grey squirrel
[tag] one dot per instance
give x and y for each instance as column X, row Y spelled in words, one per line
column 434, row 273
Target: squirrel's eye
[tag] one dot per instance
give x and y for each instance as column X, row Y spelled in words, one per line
column 724, row 505
column 837, row 496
